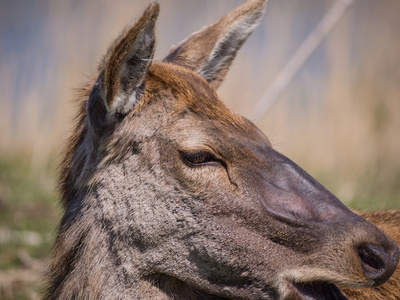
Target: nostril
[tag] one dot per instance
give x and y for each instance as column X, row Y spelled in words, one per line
column 370, row 259
column 377, row 264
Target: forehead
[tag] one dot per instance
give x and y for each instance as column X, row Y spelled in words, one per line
column 192, row 93
column 197, row 108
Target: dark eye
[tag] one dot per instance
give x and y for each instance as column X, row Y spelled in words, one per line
column 200, row 157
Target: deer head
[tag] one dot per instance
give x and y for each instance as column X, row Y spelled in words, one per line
column 170, row 195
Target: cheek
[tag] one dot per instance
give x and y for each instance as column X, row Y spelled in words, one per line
column 202, row 179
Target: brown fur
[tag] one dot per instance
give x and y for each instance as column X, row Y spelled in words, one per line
column 170, row 195
column 389, row 222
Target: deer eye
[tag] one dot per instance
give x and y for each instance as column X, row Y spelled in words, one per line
column 197, row 158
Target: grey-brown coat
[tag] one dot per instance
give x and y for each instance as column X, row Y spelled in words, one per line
column 170, row 195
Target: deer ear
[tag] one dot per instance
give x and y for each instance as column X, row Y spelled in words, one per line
column 123, row 69
column 211, row 51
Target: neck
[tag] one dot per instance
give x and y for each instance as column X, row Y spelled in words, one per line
column 99, row 255
column 167, row 287
column 89, row 270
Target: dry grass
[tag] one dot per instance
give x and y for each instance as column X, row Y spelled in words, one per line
column 339, row 118
column 346, row 131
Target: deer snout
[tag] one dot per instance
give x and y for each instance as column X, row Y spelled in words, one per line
column 377, row 263
column 293, row 194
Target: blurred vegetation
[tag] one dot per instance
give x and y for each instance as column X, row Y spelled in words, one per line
column 28, row 218
column 339, row 119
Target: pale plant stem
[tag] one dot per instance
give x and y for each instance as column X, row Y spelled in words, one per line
column 305, row 50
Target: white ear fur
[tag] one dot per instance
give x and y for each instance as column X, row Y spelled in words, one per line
column 126, row 63
column 133, row 69
column 122, row 72
column 211, row 50
column 225, row 50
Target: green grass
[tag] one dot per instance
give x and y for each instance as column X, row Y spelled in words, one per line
column 28, row 217
column 27, row 197
column 369, row 191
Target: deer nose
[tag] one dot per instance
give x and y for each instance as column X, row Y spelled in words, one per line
column 377, row 263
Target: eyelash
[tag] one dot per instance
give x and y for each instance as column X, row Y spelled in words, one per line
column 198, row 158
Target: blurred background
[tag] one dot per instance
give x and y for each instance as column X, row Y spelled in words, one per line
column 339, row 118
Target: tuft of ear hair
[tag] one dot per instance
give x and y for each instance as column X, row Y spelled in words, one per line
column 210, row 51
column 125, row 65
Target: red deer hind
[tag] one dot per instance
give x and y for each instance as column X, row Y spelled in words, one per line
column 170, row 195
